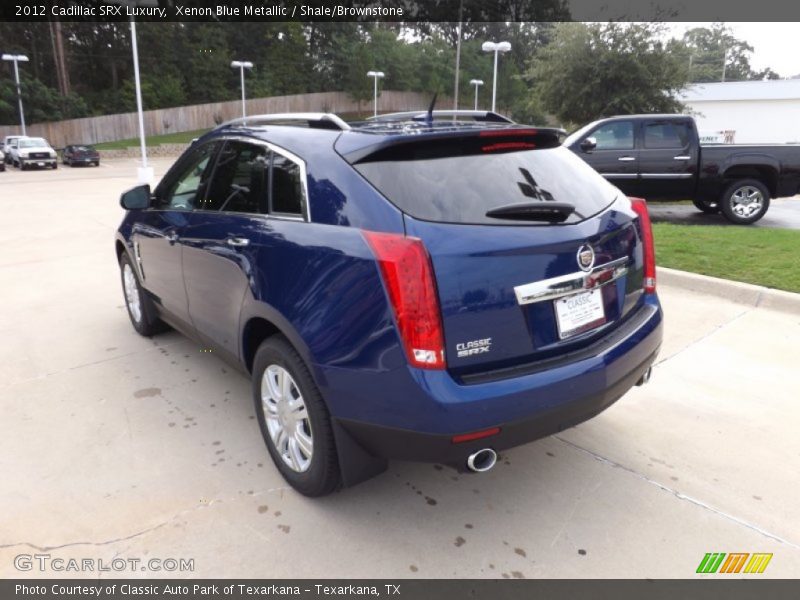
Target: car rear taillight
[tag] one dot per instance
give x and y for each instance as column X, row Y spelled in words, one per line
column 639, row 205
column 408, row 276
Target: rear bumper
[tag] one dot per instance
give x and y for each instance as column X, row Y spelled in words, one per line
column 413, row 414
column 402, row 444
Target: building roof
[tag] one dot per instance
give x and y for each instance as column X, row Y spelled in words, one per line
column 773, row 89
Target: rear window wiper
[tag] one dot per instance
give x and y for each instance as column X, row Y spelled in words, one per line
column 550, row 212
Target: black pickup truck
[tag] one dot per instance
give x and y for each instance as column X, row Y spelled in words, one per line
column 659, row 157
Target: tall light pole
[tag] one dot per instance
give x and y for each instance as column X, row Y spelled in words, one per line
column 477, row 83
column 495, row 47
column 375, row 76
column 145, row 173
column 242, row 65
column 16, row 59
column 724, row 63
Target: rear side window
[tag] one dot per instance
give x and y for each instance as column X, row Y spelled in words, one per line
column 666, row 135
column 287, row 196
column 461, row 188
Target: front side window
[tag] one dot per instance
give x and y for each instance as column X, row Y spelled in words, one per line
column 614, row 136
column 239, row 182
column 185, row 190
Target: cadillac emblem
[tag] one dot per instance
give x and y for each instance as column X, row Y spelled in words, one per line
column 585, row 257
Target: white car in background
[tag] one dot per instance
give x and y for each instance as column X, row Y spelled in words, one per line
column 5, row 147
column 33, row 152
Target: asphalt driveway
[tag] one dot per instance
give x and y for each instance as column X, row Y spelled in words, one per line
column 783, row 213
column 116, row 446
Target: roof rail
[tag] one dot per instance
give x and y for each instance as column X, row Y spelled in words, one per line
column 310, row 117
column 421, row 115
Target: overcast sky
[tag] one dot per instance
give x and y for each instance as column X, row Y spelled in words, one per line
column 774, row 44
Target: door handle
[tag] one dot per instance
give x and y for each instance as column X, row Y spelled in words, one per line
column 681, row 157
column 238, row 242
column 172, row 237
column 626, row 158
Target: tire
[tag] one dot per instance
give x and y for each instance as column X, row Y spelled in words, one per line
column 140, row 307
column 55, row 165
column 709, row 207
column 307, row 459
column 739, row 212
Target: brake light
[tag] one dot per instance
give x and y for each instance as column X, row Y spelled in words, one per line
column 408, row 275
column 639, row 205
column 500, row 146
column 508, row 132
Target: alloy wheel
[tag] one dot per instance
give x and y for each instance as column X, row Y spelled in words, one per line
column 287, row 418
column 131, row 293
column 746, row 201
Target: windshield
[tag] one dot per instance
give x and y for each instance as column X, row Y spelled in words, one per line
column 462, row 189
column 32, row 143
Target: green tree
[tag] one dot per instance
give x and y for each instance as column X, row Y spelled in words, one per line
column 595, row 70
column 708, row 52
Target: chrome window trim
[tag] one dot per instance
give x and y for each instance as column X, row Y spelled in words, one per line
column 565, row 285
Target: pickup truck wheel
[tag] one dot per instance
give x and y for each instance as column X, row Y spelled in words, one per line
column 707, row 206
column 294, row 420
column 745, row 201
column 140, row 307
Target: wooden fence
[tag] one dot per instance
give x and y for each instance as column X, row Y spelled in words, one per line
column 109, row 128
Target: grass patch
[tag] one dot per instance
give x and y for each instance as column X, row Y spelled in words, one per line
column 762, row 256
column 181, row 137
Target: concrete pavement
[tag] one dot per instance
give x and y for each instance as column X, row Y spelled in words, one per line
column 116, row 446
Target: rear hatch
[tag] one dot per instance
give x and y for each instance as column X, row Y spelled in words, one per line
column 534, row 254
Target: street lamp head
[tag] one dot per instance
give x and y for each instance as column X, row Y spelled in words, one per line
column 377, row 74
column 242, row 64
column 476, row 82
column 15, row 57
column 496, row 46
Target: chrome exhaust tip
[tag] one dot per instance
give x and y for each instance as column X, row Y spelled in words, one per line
column 482, row 460
column 646, row 377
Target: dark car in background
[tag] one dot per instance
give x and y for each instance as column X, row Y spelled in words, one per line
column 434, row 291
column 659, row 157
column 80, row 154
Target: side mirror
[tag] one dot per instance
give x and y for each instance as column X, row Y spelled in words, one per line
column 589, row 144
column 136, row 198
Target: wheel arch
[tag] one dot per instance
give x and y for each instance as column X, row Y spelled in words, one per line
column 261, row 321
column 765, row 173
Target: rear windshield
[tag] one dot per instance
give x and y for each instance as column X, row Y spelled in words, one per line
column 461, row 189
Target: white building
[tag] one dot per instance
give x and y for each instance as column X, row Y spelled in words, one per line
column 755, row 111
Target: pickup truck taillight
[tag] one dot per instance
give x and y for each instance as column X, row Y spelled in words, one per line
column 408, row 275
column 639, row 205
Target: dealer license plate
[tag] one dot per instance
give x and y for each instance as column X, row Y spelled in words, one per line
column 579, row 313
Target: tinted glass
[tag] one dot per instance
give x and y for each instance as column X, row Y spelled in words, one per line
column 187, row 184
column 666, row 135
column 287, row 187
column 461, row 189
column 239, row 180
column 614, row 136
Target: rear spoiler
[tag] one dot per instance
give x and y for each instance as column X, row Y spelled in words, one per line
column 447, row 141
